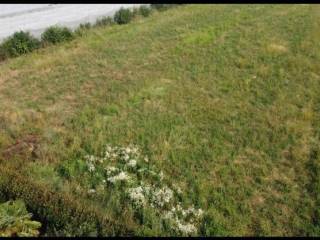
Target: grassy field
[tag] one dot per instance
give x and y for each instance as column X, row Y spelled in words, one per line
column 224, row 100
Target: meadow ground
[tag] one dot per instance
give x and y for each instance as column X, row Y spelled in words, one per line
column 223, row 99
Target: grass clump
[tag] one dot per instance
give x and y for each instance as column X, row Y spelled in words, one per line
column 83, row 27
column 104, row 21
column 123, row 16
column 57, row 34
column 129, row 175
column 19, row 43
column 16, row 221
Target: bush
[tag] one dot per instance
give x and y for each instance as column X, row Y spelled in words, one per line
column 144, row 11
column 56, row 34
column 104, row 21
column 162, row 7
column 123, row 16
column 16, row 221
column 19, row 43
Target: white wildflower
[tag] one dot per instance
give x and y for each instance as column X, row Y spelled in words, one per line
column 128, row 150
column 91, row 167
column 161, row 175
column 168, row 215
column 108, row 148
column 199, row 213
column 147, row 189
column 179, row 208
column 90, row 158
column 91, row 191
column 132, row 163
column 152, row 172
column 122, row 176
column 111, row 170
column 187, row 228
column 137, row 196
column 184, row 212
column 162, row 196
column 135, row 150
column 190, row 210
column 100, row 160
column 126, row 157
column 146, row 159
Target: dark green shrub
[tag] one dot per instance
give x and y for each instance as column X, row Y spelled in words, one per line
column 63, row 172
column 162, row 7
column 159, row 7
column 19, row 43
column 104, row 21
column 56, row 34
column 145, row 11
column 2, row 54
column 123, row 16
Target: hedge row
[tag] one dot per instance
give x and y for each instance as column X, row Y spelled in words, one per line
column 23, row 42
column 61, row 214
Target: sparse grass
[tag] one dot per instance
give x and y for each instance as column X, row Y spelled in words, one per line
column 224, row 99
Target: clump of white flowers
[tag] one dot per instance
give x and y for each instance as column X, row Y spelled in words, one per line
column 144, row 186
column 91, row 191
column 111, row 170
column 178, row 215
column 91, row 167
column 137, row 196
column 122, row 176
column 162, row 196
column 186, row 228
column 132, row 163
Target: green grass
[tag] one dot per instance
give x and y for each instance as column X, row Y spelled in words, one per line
column 224, row 99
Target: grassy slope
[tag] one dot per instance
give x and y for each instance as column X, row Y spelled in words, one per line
column 223, row 98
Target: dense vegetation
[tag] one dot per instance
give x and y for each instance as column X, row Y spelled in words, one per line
column 56, row 35
column 15, row 221
column 198, row 120
column 123, row 16
column 19, row 43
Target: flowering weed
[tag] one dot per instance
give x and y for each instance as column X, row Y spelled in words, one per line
column 125, row 171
